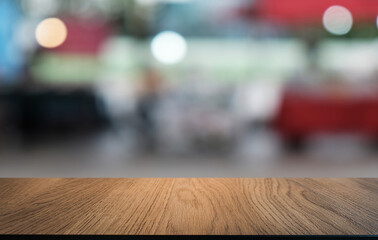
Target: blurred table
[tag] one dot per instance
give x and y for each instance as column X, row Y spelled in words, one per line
column 270, row 206
column 304, row 113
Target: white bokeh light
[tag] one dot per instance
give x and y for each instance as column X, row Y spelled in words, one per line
column 337, row 20
column 168, row 47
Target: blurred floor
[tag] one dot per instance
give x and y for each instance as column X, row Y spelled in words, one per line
column 110, row 154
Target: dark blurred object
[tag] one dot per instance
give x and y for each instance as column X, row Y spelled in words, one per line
column 51, row 113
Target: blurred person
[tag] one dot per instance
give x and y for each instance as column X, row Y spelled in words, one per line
column 148, row 98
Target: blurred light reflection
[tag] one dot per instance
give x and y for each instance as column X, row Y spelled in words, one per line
column 337, row 20
column 169, row 47
column 51, row 33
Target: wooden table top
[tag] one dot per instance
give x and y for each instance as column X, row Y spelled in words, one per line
column 246, row 206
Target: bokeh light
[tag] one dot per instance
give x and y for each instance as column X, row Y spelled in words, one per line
column 337, row 20
column 51, row 33
column 168, row 47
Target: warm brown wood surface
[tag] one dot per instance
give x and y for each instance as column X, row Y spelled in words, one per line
column 189, row 206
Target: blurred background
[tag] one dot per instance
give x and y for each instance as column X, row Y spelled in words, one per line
column 189, row 88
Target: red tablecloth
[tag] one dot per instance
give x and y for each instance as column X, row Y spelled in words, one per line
column 304, row 114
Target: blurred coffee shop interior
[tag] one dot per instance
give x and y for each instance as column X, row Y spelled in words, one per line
column 187, row 88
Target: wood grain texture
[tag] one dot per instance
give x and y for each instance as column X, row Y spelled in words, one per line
column 189, row 206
